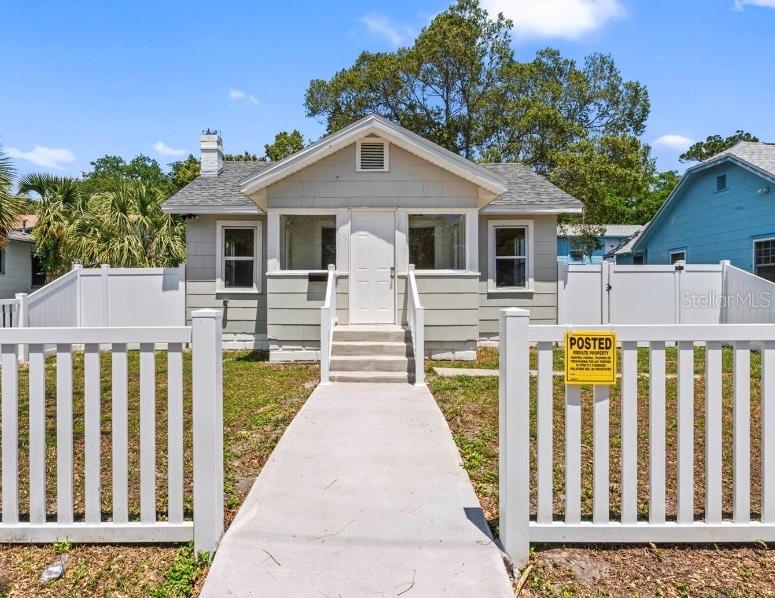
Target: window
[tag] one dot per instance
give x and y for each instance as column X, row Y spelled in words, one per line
column 510, row 255
column 638, row 259
column 372, row 154
column 721, row 182
column 2, row 261
column 678, row 255
column 764, row 258
column 239, row 250
column 437, row 241
column 307, row 242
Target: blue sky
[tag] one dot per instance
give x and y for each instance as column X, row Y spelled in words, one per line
column 91, row 78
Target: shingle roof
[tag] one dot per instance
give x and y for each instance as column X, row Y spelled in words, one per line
column 222, row 192
column 527, row 190
column 611, row 230
column 760, row 155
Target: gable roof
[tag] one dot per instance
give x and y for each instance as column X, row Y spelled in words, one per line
column 240, row 187
column 384, row 129
column 754, row 156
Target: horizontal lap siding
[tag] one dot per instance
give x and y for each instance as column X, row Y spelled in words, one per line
column 18, row 269
column 246, row 313
column 294, row 309
column 542, row 302
column 451, row 306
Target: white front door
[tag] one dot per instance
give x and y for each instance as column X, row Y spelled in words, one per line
column 372, row 264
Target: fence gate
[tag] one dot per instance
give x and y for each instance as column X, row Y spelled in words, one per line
column 733, row 501
column 609, row 293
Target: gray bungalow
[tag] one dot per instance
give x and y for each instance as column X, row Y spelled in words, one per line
column 383, row 206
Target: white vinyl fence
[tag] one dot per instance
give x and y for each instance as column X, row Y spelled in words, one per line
column 747, row 299
column 108, row 297
column 611, row 293
column 519, row 526
column 158, row 521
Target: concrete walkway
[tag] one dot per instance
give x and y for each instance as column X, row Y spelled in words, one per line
column 364, row 495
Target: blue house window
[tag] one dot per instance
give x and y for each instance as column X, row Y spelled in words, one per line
column 721, row 182
column 764, row 258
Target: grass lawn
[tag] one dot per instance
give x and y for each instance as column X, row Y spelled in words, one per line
column 471, row 408
column 259, row 402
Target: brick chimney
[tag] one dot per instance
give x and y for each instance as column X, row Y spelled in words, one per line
column 211, row 146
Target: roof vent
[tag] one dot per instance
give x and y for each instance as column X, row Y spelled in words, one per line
column 721, row 182
column 371, row 155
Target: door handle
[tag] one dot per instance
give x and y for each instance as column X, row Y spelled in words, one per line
column 392, row 275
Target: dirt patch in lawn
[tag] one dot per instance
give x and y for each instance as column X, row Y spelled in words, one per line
column 471, row 408
column 260, row 400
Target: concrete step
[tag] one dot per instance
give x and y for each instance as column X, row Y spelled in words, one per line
column 371, row 333
column 371, row 348
column 339, row 376
column 377, row 363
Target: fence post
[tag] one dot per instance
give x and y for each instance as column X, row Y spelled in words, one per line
column 724, row 311
column 104, row 278
column 78, row 316
column 514, row 434
column 22, row 322
column 207, row 392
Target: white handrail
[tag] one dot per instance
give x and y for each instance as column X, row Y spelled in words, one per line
column 416, row 319
column 327, row 323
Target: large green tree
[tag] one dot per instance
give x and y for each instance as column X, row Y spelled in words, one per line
column 460, row 86
column 714, row 144
column 109, row 172
column 443, row 87
column 284, row 145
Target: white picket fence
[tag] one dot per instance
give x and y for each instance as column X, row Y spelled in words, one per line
column 611, row 293
column 519, row 527
column 157, row 522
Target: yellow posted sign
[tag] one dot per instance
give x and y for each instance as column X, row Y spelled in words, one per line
column 590, row 357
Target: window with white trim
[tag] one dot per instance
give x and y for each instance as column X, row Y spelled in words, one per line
column 239, row 256
column 678, row 255
column 510, row 255
column 437, row 241
column 764, row 258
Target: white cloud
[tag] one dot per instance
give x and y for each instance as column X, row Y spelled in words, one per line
column 237, row 95
column 674, row 142
column 568, row 19
column 383, row 27
column 741, row 4
column 47, row 157
column 165, row 150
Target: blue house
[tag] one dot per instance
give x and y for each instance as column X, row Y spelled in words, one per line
column 722, row 209
column 569, row 251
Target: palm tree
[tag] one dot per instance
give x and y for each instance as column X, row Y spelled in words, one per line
column 126, row 227
column 11, row 206
column 60, row 201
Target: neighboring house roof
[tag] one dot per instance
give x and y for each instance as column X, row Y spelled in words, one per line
column 754, row 156
column 611, row 230
column 511, row 187
column 26, row 221
column 17, row 235
column 626, row 246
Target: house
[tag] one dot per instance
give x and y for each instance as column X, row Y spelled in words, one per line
column 570, row 251
column 722, row 209
column 17, row 259
column 370, row 199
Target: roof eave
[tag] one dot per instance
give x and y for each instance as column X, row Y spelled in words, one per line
column 530, row 209
column 234, row 211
